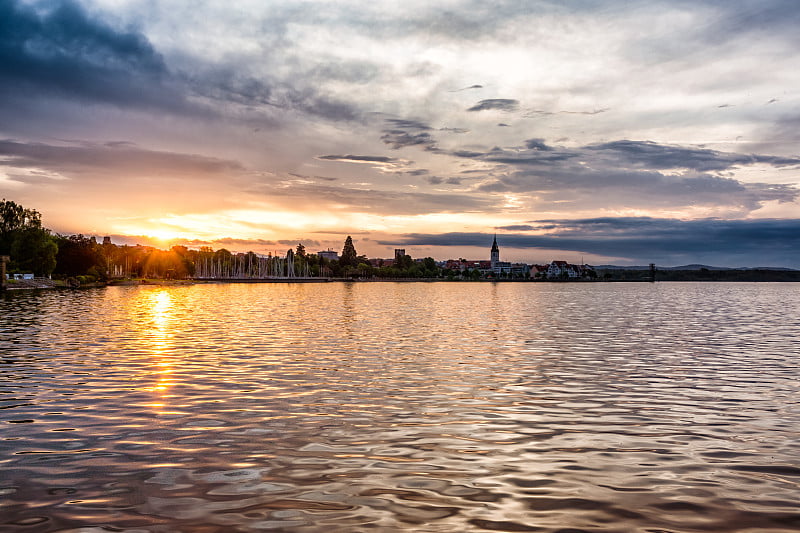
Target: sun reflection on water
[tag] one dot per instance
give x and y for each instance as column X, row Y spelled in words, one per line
column 156, row 311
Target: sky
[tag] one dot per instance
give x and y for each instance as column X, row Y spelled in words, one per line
column 623, row 132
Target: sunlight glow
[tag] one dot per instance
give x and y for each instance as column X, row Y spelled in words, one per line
column 155, row 331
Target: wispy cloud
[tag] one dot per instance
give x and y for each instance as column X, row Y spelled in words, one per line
column 380, row 162
column 476, row 86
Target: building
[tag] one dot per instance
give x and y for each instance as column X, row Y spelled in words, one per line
column 538, row 271
column 328, row 254
column 497, row 267
column 378, row 263
column 562, row 269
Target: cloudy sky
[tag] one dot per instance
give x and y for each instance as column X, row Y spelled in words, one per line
column 622, row 132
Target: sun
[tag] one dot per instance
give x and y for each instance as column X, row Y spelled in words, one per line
column 162, row 235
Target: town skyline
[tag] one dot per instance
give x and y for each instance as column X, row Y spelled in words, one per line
column 569, row 131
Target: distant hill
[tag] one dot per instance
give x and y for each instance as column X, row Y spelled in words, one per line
column 690, row 268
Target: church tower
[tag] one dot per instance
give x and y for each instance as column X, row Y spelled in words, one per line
column 495, row 257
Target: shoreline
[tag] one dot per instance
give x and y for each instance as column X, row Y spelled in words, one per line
column 752, row 276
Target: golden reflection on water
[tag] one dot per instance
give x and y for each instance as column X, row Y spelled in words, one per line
column 154, row 323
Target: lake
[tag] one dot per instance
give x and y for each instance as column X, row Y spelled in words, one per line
column 550, row 407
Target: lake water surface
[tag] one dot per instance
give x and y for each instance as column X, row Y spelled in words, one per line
column 667, row 407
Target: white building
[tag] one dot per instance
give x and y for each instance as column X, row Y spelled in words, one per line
column 558, row 268
column 328, row 254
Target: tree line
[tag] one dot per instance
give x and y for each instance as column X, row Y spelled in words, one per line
column 33, row 248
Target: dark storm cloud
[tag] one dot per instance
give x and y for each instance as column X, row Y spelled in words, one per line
column 405, row 133
column 220, row 85
column 358, row 72
column 438, row 180
column 640, row 173
column 531, row 156
column 501, row 104
column 225, row 241
column 467, row 88
column 642, row 188
column 32, row 177
column 538, row 145
column 625, row 154
column 63, row 51
column 647, row 154
column 534, row 112
column 228, row 85
column 785, row 130
column 408, row 124
column 742, row 17
column 228, row 241
column 769, row 242
column 89, row 161
column 397, row 139
column 468, row 154
column 592, row 112
column 379, row 201
column 309, row 101
column 307, row 177
column 382, row 163
column 295, row 242
column 359, row 158
column 516, row 227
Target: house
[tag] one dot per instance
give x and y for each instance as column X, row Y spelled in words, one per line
column 560, row 269
column 538, row 271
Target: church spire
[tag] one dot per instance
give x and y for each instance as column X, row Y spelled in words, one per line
column 495, row 257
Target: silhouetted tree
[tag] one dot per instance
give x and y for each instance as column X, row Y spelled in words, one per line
column 349, row 256
column 79, row 255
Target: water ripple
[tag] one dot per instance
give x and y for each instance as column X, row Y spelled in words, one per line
column 424, row 407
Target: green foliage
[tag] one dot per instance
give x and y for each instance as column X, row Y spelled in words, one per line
column 34, row 250
column 403, row 262
column 31, row 247
column 13, row 218
column 77, row 255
